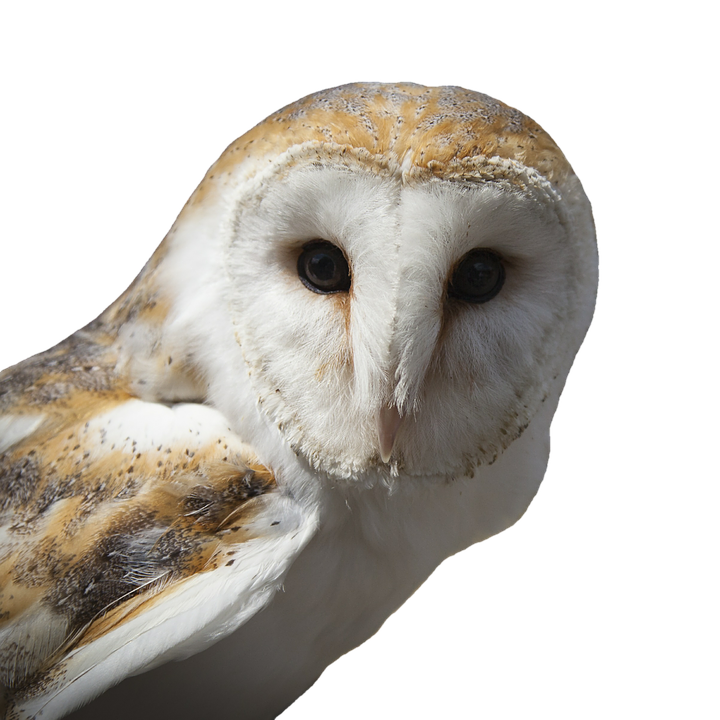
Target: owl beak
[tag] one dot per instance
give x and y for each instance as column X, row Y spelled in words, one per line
column 388, row 424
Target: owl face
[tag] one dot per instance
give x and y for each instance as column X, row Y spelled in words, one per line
column 443, row 312
column 396, row 314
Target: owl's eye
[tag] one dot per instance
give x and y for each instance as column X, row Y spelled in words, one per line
column 322, row 268
column 478, row 277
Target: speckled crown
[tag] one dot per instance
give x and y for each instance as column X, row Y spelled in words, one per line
column 427, row 128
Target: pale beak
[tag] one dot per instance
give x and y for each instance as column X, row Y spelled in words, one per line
column 388, row 424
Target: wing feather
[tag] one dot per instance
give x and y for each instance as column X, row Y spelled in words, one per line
column 132, row 533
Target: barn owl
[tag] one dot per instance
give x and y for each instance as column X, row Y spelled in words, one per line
column 338, row 369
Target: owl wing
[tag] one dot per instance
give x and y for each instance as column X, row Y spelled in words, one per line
column 131, row 533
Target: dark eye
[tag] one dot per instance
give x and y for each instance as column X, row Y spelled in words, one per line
column 478, row 277
column 322, row 268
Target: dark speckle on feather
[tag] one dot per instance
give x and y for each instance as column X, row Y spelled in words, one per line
column 78, row 363
column 18, row 480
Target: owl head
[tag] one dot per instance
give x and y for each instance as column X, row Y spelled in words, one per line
column 382, row 279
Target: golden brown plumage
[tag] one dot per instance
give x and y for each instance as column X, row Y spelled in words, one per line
column 99, row 525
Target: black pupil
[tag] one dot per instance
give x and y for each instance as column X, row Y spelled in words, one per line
column 322, row 268
column 478, row 277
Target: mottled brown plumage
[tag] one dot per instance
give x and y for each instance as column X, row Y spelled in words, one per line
column 96, row 530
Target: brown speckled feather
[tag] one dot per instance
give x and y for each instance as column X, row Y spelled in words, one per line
column 107, row 505
column 427, row 128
